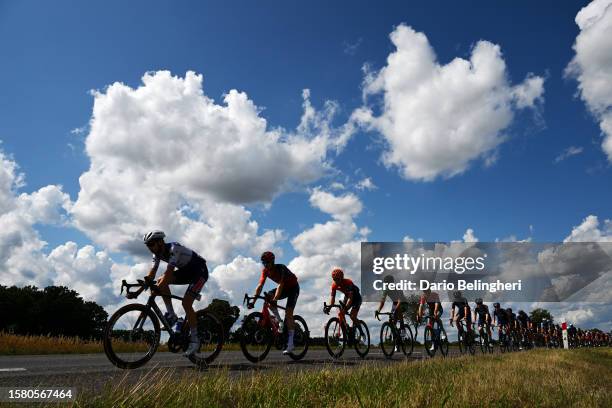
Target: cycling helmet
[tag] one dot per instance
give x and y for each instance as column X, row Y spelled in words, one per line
column 388, row 279
column 153, row 235
column 457, row 294
column 267, row 257
column 509, row 310
column 337, row 274
column 479, row 301
column 496, row 305
column 521, row 312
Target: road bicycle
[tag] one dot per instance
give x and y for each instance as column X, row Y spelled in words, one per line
column 338, row 334
column 434, row 336
column 505, row 340
column 133, row 332
column 465, row 337
column 484, row 340
column 395, row 335
column 260, row 330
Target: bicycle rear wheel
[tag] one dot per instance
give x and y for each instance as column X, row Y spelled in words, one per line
column 210, row 333
column 301, row 338
column 131, row 336
column 335, row 337
column 429, row 341
column 407, row 341
column 361, row 342
column 388, row 339
column 442, row 340
column 256, row 338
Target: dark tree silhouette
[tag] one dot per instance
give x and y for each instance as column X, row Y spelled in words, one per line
column 55, row 311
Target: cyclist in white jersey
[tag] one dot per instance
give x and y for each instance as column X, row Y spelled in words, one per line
column 185, row 267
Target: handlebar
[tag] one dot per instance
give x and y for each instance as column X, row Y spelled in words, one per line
column 143, row 285
column 247, row 298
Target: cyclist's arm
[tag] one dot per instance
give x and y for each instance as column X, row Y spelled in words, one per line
column 332, row 297
column 382, row 303
column 153, row 270
column 260, row 285
column 167, row 275
column 349, row 302
column 279, row 290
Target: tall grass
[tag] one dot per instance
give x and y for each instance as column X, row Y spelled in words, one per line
column 548, row 378
column 12, row 344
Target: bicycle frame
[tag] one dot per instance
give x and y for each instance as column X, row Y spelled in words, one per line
column 265, row 311
column 143, row 285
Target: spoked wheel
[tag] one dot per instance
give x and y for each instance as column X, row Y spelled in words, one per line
column 388, row 339
column 210, row 333
column 471, row 344
column 407, row 340
column 502, row 343
column 256, row 338
column 335, row 337
column 301, row 338
column 442, row 340
column 429, row 341
column 361, row 342
column 131, row 336
column 484, row 341
column 462, row 342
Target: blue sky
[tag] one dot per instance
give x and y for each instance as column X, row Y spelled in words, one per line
column 53, row 53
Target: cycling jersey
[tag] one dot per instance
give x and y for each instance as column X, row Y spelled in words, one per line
column 461, row 304
column 431, row 299
column 346, row 286
column 395, row 296
column 523, row 320
column 349, row 289
column 278, row 273
column 501, row 316
column 190, row 267
column 176, row 255
column 482, row 311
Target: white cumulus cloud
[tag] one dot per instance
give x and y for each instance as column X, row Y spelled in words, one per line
column 592, row 64
column 438, row 118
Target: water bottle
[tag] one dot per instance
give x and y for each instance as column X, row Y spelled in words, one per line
column 178, row 325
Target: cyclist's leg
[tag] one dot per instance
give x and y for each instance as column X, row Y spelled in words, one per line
column 196, row 276
column 164, row 291
column 292, row 296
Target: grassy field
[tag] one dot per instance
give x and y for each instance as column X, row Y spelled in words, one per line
column 547, row 378
column 11, row 344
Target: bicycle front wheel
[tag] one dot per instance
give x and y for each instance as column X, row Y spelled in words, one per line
column 256, row 338
column 210, row 333
column 131, row 336
column 335, row 337
column 388, row 340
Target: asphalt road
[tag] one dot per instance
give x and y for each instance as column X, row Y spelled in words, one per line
column 94, row 371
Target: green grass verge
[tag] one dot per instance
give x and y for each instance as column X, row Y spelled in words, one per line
column 547, row 378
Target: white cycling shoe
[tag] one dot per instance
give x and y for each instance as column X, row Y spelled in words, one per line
column 289, row 349
column 193, row 348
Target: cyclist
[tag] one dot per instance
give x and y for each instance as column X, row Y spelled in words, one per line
column 500, row 319
column 288, row 287
column 352, row 297
column 524, row 323
column 482, row 316
column 435, row 310
column 463, row 312
column 434, row 306
column 185, row 267
column 400, row 303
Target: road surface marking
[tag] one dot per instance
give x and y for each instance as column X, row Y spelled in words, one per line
column 3, row 370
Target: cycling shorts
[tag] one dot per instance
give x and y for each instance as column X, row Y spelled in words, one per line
column 194, row 274
column 290, row 293
column 357, row 300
